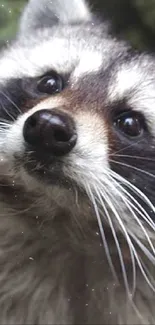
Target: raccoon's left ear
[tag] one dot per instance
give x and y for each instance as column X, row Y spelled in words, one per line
column 46, row 13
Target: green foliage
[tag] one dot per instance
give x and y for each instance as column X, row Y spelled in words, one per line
column 9, row 13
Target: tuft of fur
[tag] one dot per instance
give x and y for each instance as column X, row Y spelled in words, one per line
column 77, row 233
column 48, row 13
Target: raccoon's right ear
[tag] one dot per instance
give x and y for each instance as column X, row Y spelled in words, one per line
column 46, row 13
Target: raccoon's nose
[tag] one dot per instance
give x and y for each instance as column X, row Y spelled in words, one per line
column 50, row 130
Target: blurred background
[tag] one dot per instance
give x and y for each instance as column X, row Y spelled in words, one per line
column 132, row 19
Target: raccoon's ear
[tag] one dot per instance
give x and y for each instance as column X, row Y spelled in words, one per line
column 46, row 13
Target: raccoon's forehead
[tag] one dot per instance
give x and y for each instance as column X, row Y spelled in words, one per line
column 65, row 52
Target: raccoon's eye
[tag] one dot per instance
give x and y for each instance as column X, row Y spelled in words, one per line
column 130, row 123
column 50, row 84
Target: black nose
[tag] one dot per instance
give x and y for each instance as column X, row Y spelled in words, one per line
column 50, row 130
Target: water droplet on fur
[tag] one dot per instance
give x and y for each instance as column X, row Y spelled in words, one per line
column 31, row 258
column 97, row 233
column 92, row 289
column 86, row 305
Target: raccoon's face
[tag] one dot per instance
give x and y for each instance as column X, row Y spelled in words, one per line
column 77, row 116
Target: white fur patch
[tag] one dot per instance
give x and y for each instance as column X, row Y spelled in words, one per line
column 126, row 80
column 47, row 56
column 37, row 60
column 90, row 62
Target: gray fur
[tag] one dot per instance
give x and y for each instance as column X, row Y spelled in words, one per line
column 53, row 266
column 46, row 13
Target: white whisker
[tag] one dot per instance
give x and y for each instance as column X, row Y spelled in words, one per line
column 143, row 248
column 132, row 167
column 102, row 233
column 133, row 254
column 138, row 259
column 134, row 189
column 132, row 157
column 131, row 208
column 12, row 118
column 118, row 245
column 126, row 232
column 127, row 147
column 11, row 101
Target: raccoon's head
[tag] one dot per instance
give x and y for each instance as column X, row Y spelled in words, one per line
column 77, row 112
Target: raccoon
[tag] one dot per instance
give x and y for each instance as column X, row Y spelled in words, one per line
column 77, row 169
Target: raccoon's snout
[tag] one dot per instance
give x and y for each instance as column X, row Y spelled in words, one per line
column 50, row 130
